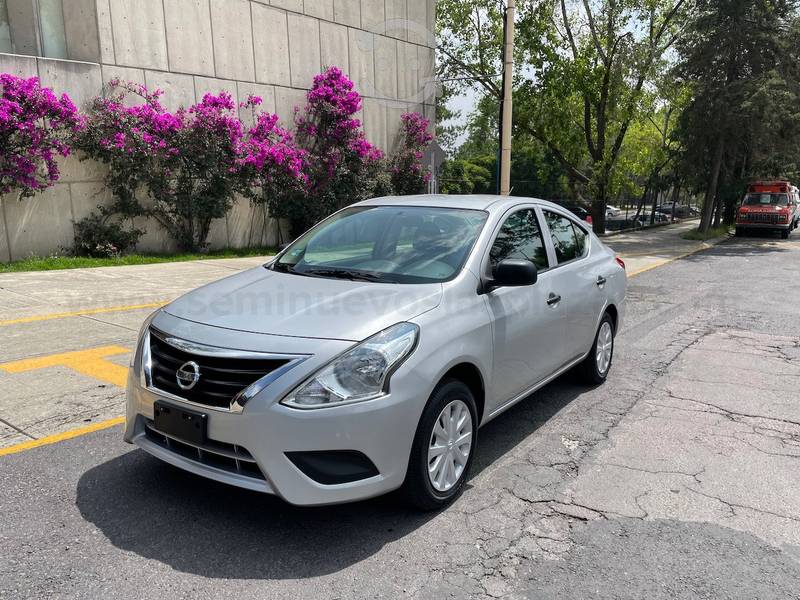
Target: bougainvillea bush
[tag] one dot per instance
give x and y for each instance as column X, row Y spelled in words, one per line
column 343, row 167
column 190, row 163
column 194, row 178
column 407, row 172
column 271, row 168
column 116, row 135
column 183, row 160
column 35, row 128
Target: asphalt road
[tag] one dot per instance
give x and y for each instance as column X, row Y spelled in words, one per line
column 678, row 478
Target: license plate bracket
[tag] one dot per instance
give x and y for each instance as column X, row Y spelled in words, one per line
column 186, row 425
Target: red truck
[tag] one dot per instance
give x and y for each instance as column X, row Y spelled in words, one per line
column 770, row 205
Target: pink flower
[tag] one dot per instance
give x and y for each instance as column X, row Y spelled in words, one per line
column 35, row 126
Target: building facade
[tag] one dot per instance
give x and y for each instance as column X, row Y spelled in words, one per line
column 270, row 48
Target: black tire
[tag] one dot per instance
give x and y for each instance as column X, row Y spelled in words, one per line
column 418, row 489
column 785, row 234
column 739, row 231
column 589, row 369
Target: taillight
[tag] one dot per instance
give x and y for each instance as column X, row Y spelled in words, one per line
column 589, row 219
column 620, row 262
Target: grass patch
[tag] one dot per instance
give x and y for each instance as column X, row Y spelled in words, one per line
column 713, row 232
column 57, row 263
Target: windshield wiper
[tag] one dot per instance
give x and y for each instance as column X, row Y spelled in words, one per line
column 344, row 274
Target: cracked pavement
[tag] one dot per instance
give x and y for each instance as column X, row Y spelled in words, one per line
column 678, row 478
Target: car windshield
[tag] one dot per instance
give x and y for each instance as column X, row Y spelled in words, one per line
column 766, row 198
column 390, row 244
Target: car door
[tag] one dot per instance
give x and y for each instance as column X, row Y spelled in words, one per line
column 577, row 279
column 524, row 327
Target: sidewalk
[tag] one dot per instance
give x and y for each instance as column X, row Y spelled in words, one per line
column 647, row 249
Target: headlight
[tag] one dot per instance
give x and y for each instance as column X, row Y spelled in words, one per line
column 361, row 373
column 138, row 355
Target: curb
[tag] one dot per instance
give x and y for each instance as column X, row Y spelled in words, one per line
column 706, row 245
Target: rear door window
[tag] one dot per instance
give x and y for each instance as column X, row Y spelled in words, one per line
column 570, row 241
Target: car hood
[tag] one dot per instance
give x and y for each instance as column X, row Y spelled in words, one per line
column 263, row 301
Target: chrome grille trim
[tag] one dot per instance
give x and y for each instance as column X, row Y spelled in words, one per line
column 241, row 398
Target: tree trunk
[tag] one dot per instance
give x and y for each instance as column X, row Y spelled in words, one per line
column 653, row 205
column 711, row 192
column 599, row 209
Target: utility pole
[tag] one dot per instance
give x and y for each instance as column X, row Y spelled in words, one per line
column 506, row 108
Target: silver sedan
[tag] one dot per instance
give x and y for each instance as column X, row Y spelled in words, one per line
column 367, row 354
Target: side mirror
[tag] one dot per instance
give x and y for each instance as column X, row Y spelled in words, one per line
column 513, row 273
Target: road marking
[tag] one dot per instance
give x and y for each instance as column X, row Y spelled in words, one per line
column 60, row 437
column 80, row 313
column 666, row 261
column 86, row 362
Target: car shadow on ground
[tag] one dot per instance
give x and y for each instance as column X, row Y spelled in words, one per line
column 199, row 526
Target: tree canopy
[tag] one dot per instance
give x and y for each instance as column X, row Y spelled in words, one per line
column 640, row 99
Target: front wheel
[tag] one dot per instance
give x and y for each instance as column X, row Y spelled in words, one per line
column 597, row 364
column 785, row 234
column 443, row 447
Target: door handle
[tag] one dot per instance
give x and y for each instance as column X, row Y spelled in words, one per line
column 601, row 281
column 553, row 299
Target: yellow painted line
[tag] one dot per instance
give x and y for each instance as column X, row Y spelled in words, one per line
column 666, row 261
column 60, row 437
column 87, row 362
column 91, row 362
column 80, row 313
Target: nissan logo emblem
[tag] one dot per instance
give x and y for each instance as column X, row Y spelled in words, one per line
column 188, row 375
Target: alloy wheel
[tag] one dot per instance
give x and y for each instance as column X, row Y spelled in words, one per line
column 605, row 347
column 450, row 445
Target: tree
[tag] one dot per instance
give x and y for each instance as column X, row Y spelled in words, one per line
column 588, row 83
column 462, row 176
column 739, row 61
column 583, row 79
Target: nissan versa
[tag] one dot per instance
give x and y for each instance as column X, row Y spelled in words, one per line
column 364, row 357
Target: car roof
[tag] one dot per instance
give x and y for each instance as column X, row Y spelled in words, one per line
column 474, row 202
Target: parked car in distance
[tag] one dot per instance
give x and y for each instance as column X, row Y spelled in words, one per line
column 612, row 211
column 579, row 211
column 366, row 355
column 769, row 205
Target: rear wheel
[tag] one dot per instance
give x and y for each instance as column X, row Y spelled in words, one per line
column 443, row 447
column 597, row 364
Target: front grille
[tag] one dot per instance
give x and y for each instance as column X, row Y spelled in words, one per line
column 760, row 217
column 221, row 378
column 227, row 457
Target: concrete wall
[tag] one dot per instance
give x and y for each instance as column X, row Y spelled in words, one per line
column 271, row 48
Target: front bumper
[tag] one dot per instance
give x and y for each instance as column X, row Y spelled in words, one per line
column 249, row 448
column 771, row 226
